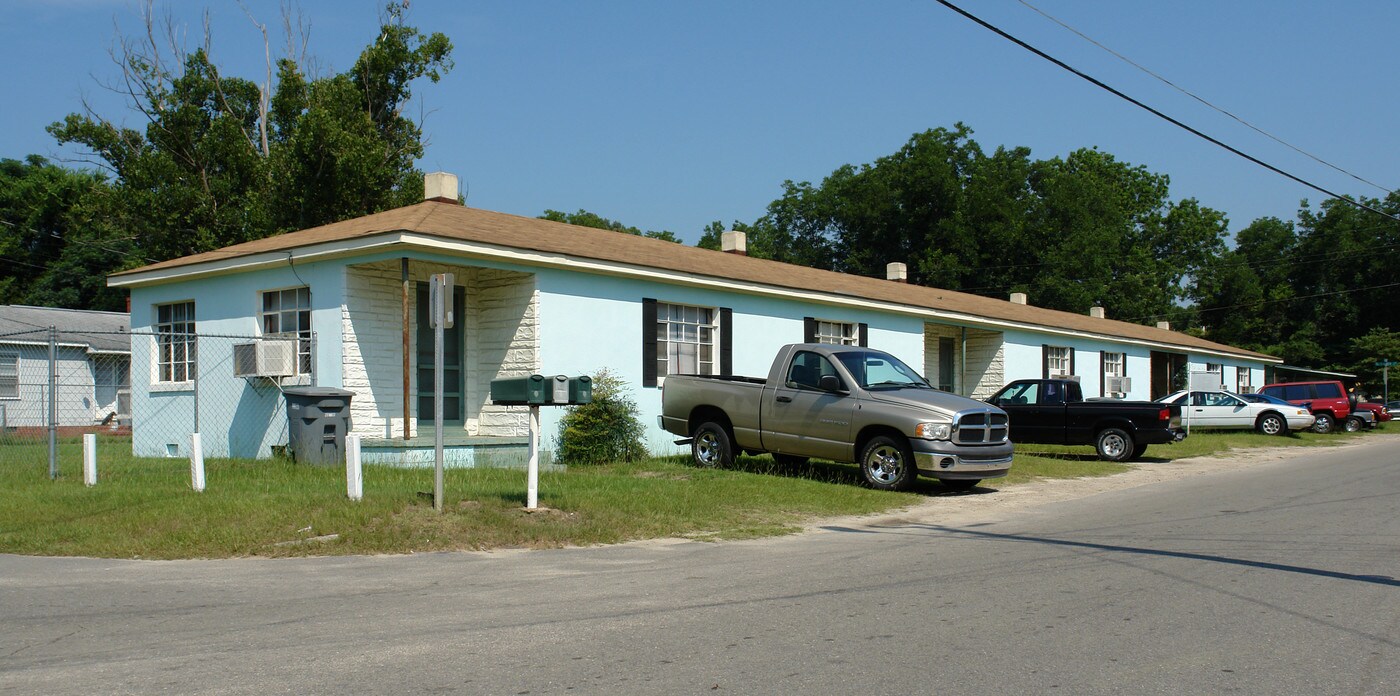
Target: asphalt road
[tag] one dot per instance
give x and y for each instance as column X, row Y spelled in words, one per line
column 1279, row 578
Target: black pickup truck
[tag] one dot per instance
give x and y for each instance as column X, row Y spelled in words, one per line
column 1054, row 412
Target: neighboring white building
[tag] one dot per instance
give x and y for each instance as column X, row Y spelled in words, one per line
column 91, row 359
column 536, row 296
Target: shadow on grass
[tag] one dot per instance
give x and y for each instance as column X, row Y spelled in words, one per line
column 835, row 473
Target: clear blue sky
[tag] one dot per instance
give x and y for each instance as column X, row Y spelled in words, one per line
column 671, row 114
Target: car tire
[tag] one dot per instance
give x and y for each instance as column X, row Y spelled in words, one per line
column 1324, row 423
column 1114, row 445
column 711, row 446
column 1353, row 424
column 960, row 484
column 888, row 464
column 1271, row 424
column 1138, row 451
column 789, row 460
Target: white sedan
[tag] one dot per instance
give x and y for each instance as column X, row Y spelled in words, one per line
column 1219, row 409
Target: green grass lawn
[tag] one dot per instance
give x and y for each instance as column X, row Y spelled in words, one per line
column 145, row 508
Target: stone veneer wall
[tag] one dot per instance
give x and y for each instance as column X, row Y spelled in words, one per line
column 985, row 367
column 500, row 319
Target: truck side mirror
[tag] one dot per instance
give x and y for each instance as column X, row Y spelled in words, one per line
column 829, row 383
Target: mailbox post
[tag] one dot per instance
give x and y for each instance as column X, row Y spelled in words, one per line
column 536, row 391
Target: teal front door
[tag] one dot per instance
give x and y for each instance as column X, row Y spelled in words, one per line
column 452, row 356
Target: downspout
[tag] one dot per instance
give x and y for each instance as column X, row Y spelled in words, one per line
column 403, row 272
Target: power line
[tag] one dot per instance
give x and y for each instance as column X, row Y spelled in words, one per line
column 1199, row 309
column 1159, row 114
column 1188, row 93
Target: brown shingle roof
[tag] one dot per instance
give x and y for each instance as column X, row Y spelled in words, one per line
column 456, row 222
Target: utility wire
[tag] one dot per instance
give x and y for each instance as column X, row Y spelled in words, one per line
column 1188, row 93
column 1199, row 309
column 1157, row 113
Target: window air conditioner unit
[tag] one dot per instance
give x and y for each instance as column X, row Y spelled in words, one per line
column 1118, row 385
column 1072, row 378
column 265, row 359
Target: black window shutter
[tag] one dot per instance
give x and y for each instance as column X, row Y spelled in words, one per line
column 809, row 330
column 1044, row 361
column 863, row 335
column 1103, row 378
column 726, row 341
column 1071, row 360
column 648, row 342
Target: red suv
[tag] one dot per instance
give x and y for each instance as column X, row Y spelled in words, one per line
column 1327, row 400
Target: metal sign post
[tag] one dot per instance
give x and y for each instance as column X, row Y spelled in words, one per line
column 532, row 475
column 440, row 292
column 1385, row 366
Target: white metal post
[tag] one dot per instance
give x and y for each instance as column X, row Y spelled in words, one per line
column 196, row 463
column 532, row 485
column 437, row 402
column 90, row 459
column 354, row 477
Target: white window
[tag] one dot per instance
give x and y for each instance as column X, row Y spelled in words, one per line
column 175, row 341
column 9, row 375
column 288, row 313
column 1057, row 360
column 1243, row 383
column 837, row 333
column 685, row 340
column 1218, row 371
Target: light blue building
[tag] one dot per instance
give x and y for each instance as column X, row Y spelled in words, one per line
column 535, row 296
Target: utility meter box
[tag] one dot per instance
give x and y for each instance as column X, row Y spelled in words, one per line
column 559, row 389
column 520, row 391
column 581, row 390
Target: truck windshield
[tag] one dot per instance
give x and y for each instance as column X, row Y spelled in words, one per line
column 880, row 371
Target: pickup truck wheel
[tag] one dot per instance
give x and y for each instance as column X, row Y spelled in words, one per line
column 1139, row 451
column 888, row 464
column 1323, row 424
column 1271, row 424
column 1114, row 445
column 1352, row 424
column 710, row 446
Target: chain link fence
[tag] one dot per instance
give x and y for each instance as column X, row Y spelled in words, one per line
column 56, row 386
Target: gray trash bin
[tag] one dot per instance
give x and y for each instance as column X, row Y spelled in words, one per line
column 318, row 418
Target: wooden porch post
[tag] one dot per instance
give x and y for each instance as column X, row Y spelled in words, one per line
column 403, row 272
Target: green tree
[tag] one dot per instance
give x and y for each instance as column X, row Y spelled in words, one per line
column 58, row 237
column 603, row 431
column 583, row 218
column 1378, row 344
column 222, row 160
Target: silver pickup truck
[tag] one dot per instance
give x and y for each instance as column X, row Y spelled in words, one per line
column 844, row 404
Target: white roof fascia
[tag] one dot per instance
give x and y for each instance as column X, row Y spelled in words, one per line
column 382, row 241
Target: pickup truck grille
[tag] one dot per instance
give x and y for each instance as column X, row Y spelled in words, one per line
column 979, row 428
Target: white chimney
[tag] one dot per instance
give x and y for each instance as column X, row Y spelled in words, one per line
column 734, row 242
column 440, row 186
column 1018, row 298
column 1166, row 325
column 1096, row 312
column 897, row 272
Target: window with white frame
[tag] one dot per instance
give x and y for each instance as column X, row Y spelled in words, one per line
column 9, row 375
column 1057, row 360
column 1218, row 370
column 175, row 342
column 1113, row 364
column 837, row 333
column 288, row 313
column 1243, row 382
column 685, row 340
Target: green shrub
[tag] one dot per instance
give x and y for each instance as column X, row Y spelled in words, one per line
column 606, row 430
